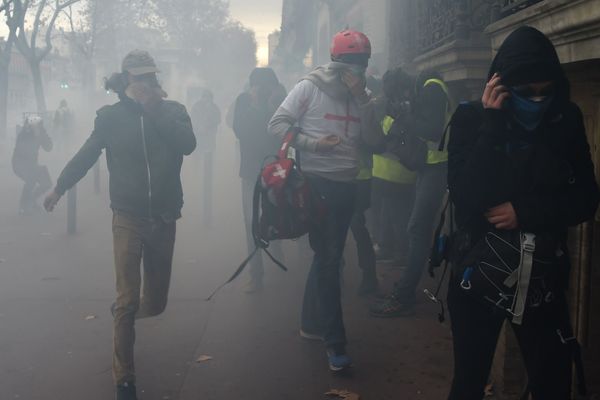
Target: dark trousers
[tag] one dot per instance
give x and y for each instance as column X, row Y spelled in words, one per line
column 37, row 182
column 429, row 195
column 475, row 331
column 358, row 226
column 392, row 206
column 322, row 307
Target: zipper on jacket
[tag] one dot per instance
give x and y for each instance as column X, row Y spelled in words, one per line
column 147, row 166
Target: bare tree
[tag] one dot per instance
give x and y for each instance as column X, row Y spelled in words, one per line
column 82, row 37
column 6, row 47
column 4, row 5
column 45, row 14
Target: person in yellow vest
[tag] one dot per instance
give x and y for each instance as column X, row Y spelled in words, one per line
column 393, row 183
column 425, row 116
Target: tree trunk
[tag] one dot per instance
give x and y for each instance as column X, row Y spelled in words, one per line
column 5, row 56
column 38, row 86
column 4, row 64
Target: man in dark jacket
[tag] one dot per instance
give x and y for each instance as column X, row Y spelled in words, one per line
column 252, row 111
column 25, row 163
column 519, row 162
column 145, row 138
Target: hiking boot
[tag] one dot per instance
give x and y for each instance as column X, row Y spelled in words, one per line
column 338, row 360
column 310, row 336
column 126, row 391
column 253, row 286
column 392, row 308
column 368, row 285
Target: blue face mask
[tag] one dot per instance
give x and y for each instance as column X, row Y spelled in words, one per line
column 527, row 112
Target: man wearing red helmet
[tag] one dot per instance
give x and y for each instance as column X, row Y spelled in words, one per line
column 337, row 118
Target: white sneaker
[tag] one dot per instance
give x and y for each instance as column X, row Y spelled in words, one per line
column 310, row 336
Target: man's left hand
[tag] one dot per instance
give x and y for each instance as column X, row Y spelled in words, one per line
column 503, row 217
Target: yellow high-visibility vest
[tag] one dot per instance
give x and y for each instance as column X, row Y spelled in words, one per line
column 365, row 171
column 389, row 169
column 433, row 155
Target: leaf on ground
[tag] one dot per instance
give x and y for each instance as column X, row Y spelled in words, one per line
column 203, row 358
column 342, row 394
column 90, row 317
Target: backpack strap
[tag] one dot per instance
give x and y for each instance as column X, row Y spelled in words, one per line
column 288, row 139
column 524, row 277
column 259, row 243
column 237, row 273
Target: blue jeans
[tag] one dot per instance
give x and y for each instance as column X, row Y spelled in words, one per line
column 429, row 195
column 322, row 307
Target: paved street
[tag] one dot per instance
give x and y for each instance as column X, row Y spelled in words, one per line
column 56, row 328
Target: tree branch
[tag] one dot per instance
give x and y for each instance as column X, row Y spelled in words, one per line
column 57, row 10
column 5, row 4
column 36, row 25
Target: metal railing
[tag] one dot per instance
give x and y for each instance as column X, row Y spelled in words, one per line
column 441, row 21
column 513, row 6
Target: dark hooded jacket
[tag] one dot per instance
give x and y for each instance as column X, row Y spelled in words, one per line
column 144, row 154
column 27, row 148
column 547, row 174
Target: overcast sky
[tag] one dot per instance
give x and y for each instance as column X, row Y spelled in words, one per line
column 263, row 16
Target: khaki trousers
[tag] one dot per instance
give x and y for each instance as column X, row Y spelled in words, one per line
column 136, row 239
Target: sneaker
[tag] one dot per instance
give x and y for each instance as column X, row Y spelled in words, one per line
column 253, row 286
column 392, row 308
column 310, row 336
column 338, row 361
column 126, row 391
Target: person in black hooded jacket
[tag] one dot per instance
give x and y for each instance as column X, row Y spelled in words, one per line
column 518, row 161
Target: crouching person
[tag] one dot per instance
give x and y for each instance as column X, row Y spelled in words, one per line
column 145, row 139
column 520, row 174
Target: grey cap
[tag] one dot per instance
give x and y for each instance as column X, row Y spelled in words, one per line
column 139, row 62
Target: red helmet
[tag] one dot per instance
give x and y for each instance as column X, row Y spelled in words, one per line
column 350, row 42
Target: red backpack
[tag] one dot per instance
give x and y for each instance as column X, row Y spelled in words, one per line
column 284, row 205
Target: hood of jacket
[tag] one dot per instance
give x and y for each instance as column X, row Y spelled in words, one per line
column 528, row 56
column 328, row 79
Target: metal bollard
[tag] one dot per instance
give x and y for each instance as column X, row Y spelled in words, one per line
column 208, row 189
column 72, row 211
column 97, row 177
